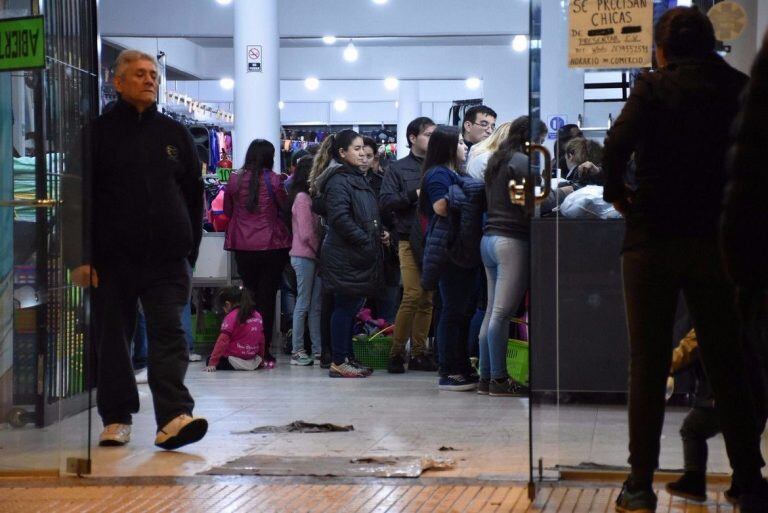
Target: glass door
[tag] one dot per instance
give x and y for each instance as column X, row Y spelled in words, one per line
column 45, row 399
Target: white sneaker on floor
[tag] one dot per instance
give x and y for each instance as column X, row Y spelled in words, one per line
column 194, row 357
column 141, row 377
column 115, row 435
column 181, row 431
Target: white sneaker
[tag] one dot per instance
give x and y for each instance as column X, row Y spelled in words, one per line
column 194, row 357
column 115, row 435
column 141, row 376
column 181, row 431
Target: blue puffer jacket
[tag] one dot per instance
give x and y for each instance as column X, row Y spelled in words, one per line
column 455, row 238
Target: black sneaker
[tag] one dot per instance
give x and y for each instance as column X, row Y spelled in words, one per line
column 755, row 501
column 363, row 368
column 325, row 360
column 691, row 486
column 396, row 365
column 483, row 386
column 422, row 363
column 507, row 388
column 631, row 500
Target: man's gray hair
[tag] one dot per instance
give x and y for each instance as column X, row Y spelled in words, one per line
column 128, row 56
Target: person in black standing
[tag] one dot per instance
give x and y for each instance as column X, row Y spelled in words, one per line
column 145, row 198
column 676, row 122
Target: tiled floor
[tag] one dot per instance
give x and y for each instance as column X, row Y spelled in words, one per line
column 329, row 498
column 392, row 414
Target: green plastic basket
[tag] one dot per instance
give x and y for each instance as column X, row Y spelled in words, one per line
column 372, row 352
column 517, row 360
column 205, row 337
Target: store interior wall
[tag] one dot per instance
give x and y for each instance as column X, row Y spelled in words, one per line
column 743, row 52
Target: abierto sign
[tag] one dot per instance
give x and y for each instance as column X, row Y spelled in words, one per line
column 610, row 33
column 22, row 43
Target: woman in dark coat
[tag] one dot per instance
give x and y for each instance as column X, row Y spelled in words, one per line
column 351, row 252
column 677, row 123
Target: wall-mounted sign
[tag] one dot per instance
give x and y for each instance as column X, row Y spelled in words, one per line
column 555, row 123
column 253, row 58
column 22, row 43
column 610, row 33
column 729, row 19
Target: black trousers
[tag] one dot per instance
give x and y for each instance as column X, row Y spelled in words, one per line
column 654, row 275
column 699, row 425
column 262, row 273
column 164, row 293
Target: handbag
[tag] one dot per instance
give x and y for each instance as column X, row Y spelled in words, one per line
column 282, row 213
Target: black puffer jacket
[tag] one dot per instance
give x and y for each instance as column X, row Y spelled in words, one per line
column 351, row 254
column 398, row 196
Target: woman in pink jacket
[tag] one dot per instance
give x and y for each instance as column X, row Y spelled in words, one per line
column 304, row 261
column 255, row 201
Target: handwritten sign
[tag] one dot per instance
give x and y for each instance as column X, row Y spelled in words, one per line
column 610, row 33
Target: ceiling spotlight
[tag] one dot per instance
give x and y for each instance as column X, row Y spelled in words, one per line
column 329, row 40
column 340, row 105
column 281, row 105
column 227, row 83
column 380, row 2
column 224, row 2
column 391, row 83
column 472, row 83
column 397, row 105
column 519, row 43
column 350, row 53
column 312, row 83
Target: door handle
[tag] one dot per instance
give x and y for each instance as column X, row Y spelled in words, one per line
column 517, row 191
column 43, row 203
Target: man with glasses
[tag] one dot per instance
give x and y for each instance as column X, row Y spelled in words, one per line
column 479, row 123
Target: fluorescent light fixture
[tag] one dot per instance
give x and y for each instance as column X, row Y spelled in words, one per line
column 223, row 2
column 380, row 2
column 397, row 104
column 391, row 83
column 472, row 83
column 340, row 105
column 281, row 105
column 350, row 53
column 311, row 83
column 329, row 40
column 519, row 43
column 684, row 3
column 227, row 83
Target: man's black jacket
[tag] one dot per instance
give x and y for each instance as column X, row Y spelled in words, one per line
column 143, row 194
column 398, row 193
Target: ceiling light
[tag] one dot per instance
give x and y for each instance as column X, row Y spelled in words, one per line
column 227, row 83
column 311, row 83
column 224, row 2
column 472, row 83
column 380, row 2
column 350, row 53
column 329, row 40
column 391, row 83
column 519, row 43
column 281, row 105
column 397, row 105
column 340, row 105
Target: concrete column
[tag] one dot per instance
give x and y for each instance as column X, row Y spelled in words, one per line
column 257, row 92
column 409, row 109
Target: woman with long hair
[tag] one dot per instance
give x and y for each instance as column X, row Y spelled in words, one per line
column 255, row 201
column 445, row 154
column 477, row 160
column 351, row 254
column 304, row 252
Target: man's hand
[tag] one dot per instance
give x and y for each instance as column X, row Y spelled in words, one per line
column 209, row 368
column 587, row 169
column 84, row 276
column 385, row 238
column 621, row 206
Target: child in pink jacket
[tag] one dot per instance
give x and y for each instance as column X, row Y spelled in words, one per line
column 240, row 345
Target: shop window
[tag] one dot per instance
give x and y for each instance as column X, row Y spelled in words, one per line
column 606, row 86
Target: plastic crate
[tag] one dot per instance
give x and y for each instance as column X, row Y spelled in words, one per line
column 206, row 335
column 373, row 352
column 517, row 360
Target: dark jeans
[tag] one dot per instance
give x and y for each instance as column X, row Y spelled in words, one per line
column 164, row 293
column 262, row 273
column 699, row 425
column 139, row 351
column 327, row 306
column 653, row 277
column 342, row 322
column 453, row 324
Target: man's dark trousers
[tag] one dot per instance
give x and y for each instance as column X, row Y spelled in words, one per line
column 163, row 289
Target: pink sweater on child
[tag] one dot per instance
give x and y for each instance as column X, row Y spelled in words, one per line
column 304, row 225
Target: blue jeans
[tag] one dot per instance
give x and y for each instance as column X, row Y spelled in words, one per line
column 506, row 262
column 186, row 323
column 454, row 285
column 308, row 303
column 386, row 303
column 342, row 322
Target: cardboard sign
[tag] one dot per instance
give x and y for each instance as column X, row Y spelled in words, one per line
column 253, row 58
column 22, row 43
column 610, row 34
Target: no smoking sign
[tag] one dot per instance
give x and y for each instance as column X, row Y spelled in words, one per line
column 254, row 59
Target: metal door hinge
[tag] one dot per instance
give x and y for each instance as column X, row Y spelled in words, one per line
column 79, row 466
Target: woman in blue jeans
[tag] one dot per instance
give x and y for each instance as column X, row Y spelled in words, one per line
column 505, row 253
column 445, row 154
